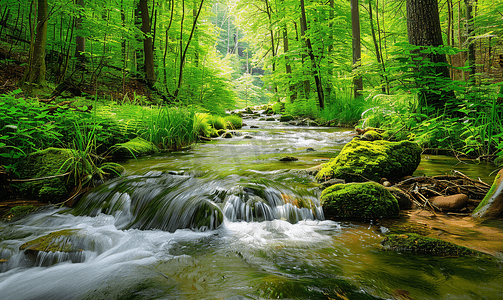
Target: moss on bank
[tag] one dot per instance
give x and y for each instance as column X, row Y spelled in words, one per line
column 134, row 148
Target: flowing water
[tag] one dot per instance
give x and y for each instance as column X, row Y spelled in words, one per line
column 229, row 220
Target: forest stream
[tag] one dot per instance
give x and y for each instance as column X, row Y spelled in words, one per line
column 227, row 219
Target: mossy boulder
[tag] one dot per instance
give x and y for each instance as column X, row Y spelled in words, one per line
column 55, row 241
column 286, row 118
column 134, row 148
column 46, row 164
column 361, row 161
column 371, row 135
column 368, row 200
column 18, row 212
column 417, row 244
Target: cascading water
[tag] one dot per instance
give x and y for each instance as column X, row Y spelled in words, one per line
column 226, row 220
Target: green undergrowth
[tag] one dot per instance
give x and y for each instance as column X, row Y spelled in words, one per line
column 93, row 127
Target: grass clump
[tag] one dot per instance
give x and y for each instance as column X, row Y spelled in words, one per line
column 217, row 122
column 234, row 122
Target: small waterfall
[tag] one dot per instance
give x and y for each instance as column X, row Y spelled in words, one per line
column 169, row 202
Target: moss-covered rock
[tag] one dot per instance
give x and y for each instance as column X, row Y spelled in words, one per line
column 134, row 148
column 371, row 135
column 286, row 118
column 368, row 200
column 18, row 212
column 361, row 161
column 44, row 164
column 417, row 244
column 52, row 242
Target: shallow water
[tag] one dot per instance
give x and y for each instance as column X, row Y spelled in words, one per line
column 128, row 251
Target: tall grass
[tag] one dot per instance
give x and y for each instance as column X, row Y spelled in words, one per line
column 170, row 127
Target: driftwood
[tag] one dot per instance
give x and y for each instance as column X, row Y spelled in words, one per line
column 420, row 189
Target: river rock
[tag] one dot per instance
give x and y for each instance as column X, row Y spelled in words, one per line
column 451, row 202
column 227, row 135
column 417, row 244
column 286, row 118
column 492, row 204
column 44, row 164
column 134, row 148
column 404, row 202
column 361, row 161
column 289, row 158
column 368, row 200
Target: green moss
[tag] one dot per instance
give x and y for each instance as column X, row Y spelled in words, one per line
column 18, row 212
column 491, row 205
column 368, row 200
column 52, row 242
column 286, row 118
column 134, row 148
column 361, row 161
column 418, row 244
column 371, row 135
column 46, row 163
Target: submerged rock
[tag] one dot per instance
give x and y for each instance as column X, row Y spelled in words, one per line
column 47, row 164
column 361, row 161
column 288, row 158
column 417, row 244
column 134, row 148
column 492, row 204
column 451, row 202
column 52, row 242
column 368, row 200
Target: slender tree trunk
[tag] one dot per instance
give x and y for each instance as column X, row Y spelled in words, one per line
column 148, row 49
column 35, row 72
column 377, row 49
column 469, row 36
column 80, row 41
column 182, row 59
column 317, row 80
column 288, row 67
column 357, row 49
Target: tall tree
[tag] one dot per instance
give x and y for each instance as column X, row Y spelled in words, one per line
column 35, row 72
column 357, row 48
column 148, row 49
column 80, row 41
column 317, row 80
column 423, row 26
column 469, row 34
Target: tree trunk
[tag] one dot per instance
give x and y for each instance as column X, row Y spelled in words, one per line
column 148, row 49
column 35, row 72
column 423, row 26
column 288, row 67
column 317, row 80
column 357, row 49
column 182, row 59
column 469, row 36
column 80, row 41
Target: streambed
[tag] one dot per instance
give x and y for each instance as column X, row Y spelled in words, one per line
column 279, row 251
